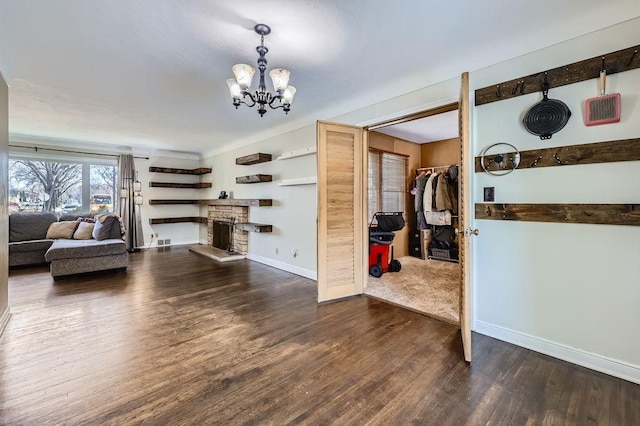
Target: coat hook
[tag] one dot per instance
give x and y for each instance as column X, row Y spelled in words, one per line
column 489, row 212
column 515, row 89
column 498, row 93
column 635, row 52
column 557, row 160
column 522, row 87
column 535, row 162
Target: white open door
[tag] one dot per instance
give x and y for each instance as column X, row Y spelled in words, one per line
column 341, row 255
column 464, row 212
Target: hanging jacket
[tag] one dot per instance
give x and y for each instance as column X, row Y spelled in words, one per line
column 421, row 183
column 443, row 194
column 428, row 194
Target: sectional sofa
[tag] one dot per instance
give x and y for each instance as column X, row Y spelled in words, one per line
column 71, row 244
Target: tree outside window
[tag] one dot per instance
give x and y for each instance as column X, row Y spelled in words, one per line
column 61, row 187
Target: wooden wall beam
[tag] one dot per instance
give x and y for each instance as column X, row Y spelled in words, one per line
column 591, row 153
column 615, row 62
column 601, row 214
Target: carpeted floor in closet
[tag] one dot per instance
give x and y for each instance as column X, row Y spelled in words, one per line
column 430, row 287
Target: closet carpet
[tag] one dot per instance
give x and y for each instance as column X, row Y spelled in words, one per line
column 430, row 287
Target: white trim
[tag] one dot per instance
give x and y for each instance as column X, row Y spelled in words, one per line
column 312, row 275
column 297, row 153
column 310, row 180
column 4, row 319
column 577, row 356
column 409, row 111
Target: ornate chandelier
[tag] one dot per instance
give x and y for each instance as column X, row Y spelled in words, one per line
column 239, row 86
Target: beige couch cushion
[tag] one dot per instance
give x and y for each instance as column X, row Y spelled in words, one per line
column 61, row 230
column 84, row 231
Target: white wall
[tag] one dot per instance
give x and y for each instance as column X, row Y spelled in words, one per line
column 178, row 233
column 293, row 214
column 569, row 290
column 4, row 192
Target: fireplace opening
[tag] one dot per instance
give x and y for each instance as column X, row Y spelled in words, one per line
column 223, row 235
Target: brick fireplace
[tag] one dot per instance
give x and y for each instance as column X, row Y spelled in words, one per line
column 226, row 214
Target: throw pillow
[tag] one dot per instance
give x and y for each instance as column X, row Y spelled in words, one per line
column 84, row 231
column 104, row 228
column 63, row 229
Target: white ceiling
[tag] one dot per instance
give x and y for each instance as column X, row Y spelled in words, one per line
column 434, row 128
column 151, row 73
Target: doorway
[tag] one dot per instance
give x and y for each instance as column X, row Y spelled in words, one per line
column 343, row 237
column 421, row 155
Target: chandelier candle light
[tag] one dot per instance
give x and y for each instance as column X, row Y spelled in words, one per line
column 239, row 86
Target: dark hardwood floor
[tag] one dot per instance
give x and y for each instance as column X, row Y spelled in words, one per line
column 180, row 339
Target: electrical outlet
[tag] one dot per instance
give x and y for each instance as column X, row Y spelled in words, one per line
column 167, row 242
column 160, row 242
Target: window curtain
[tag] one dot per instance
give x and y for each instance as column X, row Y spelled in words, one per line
column 129, row 211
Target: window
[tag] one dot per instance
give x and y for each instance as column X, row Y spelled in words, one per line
column 387, row 181
column 61, row 186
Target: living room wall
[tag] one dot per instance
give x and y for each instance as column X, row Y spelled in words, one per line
column 4, row 192
column 178, row 233
column 569, row 290
column 293, row 213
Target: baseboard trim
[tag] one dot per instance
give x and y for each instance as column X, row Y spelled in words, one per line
column 312, row 275
column 590, row 360
column 4, row 319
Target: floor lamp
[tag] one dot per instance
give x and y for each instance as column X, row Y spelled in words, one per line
column 134, row 192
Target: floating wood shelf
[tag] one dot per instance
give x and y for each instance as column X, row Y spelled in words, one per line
column 615, row 62
column 311, row 180
column 198, row 171
column 250, row 202
column 163, row 220
column 601, row 214
column 197, row 185
column 297, row 153
column 254, row 179
column 158, row 202
column 592, row 153
column 247, row 160
column 253, row 227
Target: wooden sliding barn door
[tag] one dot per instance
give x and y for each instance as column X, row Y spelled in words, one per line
column 464, row 211
column 341, row 248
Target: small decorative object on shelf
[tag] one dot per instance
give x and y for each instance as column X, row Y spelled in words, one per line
column 223, row 195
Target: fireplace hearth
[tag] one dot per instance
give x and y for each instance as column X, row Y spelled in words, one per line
column 222, row 234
